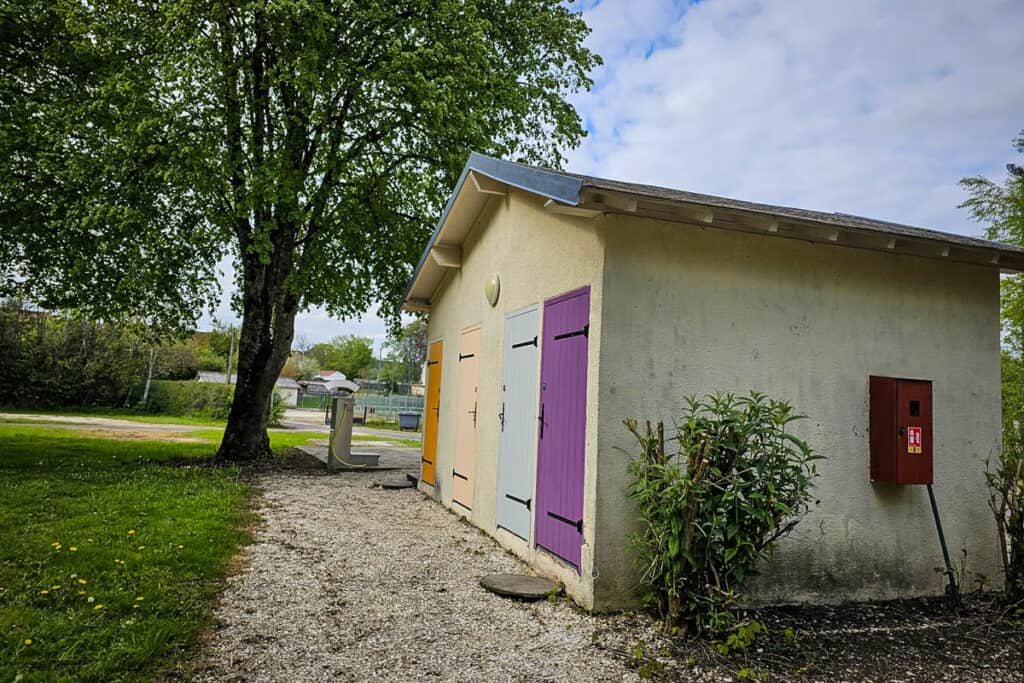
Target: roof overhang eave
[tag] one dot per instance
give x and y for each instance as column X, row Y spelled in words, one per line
column 481, row 179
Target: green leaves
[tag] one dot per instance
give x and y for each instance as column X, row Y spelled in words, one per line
column 712, row 510
column 312, row 142
column 140, row 145
column 1001, row 208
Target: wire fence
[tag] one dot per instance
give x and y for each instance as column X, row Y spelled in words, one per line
column 384, row 407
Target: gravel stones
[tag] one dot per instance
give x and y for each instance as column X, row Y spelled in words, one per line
column 345, row 584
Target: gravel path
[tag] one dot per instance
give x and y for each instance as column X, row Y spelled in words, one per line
column 351, row 583
column 346, row 582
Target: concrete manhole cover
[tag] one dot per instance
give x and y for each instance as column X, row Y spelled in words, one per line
column 392, row 485
column 520, row 586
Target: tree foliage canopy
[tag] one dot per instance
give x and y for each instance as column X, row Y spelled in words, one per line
column 407, row 349
column 1001, row 208
column 312, row 142
column 143, row 142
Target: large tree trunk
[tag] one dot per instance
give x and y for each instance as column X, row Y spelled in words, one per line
column 264, row 343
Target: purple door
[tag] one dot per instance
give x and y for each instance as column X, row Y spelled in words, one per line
column 563, row 423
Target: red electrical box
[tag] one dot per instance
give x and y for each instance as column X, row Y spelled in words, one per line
column 901, row 430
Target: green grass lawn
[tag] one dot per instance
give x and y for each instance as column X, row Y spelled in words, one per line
column 109, row 557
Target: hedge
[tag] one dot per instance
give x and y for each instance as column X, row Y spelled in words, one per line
column 188, row 399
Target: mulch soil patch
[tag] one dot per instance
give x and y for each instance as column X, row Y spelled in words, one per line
column 903, row 640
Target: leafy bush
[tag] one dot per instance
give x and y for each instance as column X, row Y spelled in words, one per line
column 277, row 409
column 51, row 361
column 189, row 399
column 175, row 362
column 207, row 359
column 1006, row 481
column 712, row 511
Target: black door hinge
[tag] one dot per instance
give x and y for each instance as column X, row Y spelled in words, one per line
column 578, row 523
column 583, row 332
column 519, row 500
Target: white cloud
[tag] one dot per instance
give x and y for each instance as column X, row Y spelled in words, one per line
column 874, row 107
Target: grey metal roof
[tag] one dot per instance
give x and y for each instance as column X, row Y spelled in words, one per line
column 576, row 190
column 839, row 220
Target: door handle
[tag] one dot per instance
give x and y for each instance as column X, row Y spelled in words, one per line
column 473, row 413
column 501, row 416
column 541, row 418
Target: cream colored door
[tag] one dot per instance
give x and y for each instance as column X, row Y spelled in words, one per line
column 465, row 418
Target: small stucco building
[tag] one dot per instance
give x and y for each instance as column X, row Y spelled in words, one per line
column 560, row 305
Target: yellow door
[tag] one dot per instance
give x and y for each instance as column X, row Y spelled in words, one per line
column 428, row 472
column 465, row 418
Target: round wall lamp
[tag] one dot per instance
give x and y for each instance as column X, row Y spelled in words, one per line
column 493, row 289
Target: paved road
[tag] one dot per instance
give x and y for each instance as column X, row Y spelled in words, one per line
column 88, row 422
column 313, row 420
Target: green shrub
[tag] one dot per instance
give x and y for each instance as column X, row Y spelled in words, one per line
column 277, row 409
column 207, row 360
column 189, row 399
column 175, row 362
column 53, row 361
column 712, row 510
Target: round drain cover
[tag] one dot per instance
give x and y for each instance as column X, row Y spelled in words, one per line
column 392, row 485
column 520, row 586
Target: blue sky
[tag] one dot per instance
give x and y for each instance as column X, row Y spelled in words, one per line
column 872, row 107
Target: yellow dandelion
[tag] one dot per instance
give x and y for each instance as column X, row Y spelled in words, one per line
column 55, row 587
column 44, row 592
column 73, row 549
column 82, row 581
column 180, row 547
column 81, row 592
column 135, row 607
column 98, row 607
column 28, row 641
column 141, row 547
column 140, row 598
column 131, row 532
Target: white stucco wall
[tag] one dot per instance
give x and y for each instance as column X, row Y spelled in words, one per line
column 694, row 310
column 537, row 255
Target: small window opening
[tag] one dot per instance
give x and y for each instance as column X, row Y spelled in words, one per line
column 915, row 409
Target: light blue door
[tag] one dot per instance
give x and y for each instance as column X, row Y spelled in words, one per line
column 517, row 446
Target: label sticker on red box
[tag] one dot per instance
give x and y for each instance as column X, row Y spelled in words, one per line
column 913, row 439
